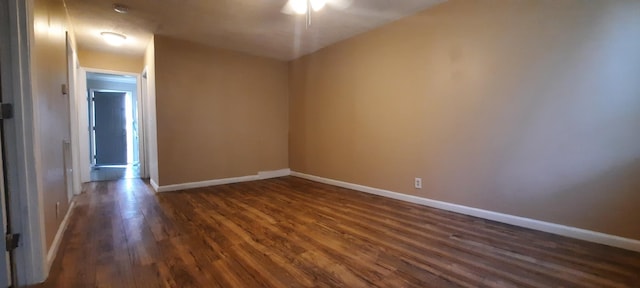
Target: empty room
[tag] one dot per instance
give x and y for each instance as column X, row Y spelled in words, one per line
column 320, row 143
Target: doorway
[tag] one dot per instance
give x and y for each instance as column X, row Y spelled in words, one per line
column 113, row 121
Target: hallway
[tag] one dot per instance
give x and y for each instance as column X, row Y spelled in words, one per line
column 115, row 172
column 290, row 232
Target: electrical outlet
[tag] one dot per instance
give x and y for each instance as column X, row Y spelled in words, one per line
column 418, row 183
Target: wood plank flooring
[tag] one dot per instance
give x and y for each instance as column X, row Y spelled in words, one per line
column 290, row 232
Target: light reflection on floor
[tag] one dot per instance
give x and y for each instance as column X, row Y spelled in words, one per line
column 115, row 172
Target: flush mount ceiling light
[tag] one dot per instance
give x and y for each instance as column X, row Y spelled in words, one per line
column 122, row 9
column 306, row 7
column 302, row 6
column 113, row 39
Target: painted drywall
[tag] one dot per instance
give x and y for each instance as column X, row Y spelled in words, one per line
column 49, row 72
column 221, row 114
column 109, row 61
column 148, row 85
column 530, row 108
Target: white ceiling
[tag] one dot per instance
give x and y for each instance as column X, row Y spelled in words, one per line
column 252, row 26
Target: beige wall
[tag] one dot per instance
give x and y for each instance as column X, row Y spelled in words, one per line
column 49, row 72
column 530, row 108
column 108, row 61
column 220, row 114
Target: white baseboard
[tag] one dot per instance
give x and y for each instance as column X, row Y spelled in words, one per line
column 53, row 251
column 274, row 174
column 191, row 185
column 154, row 185
column 568, row 231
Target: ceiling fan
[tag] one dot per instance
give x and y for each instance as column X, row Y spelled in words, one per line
column 307, row 7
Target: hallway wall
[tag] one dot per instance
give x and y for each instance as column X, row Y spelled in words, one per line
column 109, row 61
column 49, row 72
column 529, row 108
column 221, row 114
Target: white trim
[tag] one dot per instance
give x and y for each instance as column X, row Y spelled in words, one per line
column 142, row 148
column 154, row 185
column 274, row 173
column 191, row 185
column 568, row 231
column 83, row 126
column 53, row 251
column 72, row 90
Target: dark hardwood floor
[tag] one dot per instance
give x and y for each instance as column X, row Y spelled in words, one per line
column 115, row 172
column 290, row 232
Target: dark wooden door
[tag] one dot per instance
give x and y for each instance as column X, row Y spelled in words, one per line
column 110, row 128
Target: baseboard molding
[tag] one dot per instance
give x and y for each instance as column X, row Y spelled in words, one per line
column 274, row 174
column 568, row 231
column 260, row 176
column 53, row 251
column 154, row 185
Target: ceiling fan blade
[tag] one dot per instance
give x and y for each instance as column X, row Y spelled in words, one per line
column 340, row 4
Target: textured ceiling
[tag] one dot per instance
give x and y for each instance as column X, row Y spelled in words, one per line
column 252, row 26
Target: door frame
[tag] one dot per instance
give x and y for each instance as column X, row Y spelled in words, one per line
column 21, row 143
column 72, row 76
column 83, row 120
column 6, row 265
column 92, row 112
column 144, row 139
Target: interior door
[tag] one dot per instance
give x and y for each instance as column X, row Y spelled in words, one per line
column 6, row 267
column 110, row 128
column 5, row 262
